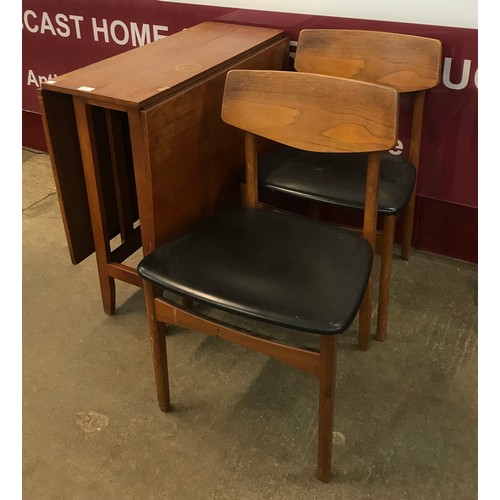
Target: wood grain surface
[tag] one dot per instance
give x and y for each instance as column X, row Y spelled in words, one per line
column 339, row 115
column 408, row 63
column 146, row 74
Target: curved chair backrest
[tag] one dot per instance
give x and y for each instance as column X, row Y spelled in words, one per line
column 312, row 112
column 408, row 63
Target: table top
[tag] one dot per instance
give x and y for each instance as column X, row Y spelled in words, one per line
column 147, row 74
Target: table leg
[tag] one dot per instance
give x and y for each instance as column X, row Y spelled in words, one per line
column 93, row 184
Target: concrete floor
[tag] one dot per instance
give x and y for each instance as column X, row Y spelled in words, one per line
column 243, row 425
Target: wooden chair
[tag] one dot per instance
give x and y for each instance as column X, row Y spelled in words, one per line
column 410, row 64
column 271, row 266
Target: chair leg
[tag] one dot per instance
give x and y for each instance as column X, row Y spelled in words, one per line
column 158, row 332
column 409, row 215
column 327, row 369
column 385, row 275
column 365, row 316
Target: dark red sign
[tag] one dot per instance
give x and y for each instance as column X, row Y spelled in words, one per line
column 60, row 36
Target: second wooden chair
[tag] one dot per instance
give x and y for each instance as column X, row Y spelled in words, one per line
column 410, row 64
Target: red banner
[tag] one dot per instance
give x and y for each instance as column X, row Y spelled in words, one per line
column 60, row 36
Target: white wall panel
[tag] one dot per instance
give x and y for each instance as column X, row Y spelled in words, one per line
column 457, row 13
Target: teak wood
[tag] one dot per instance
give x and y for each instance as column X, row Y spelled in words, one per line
column 405, row 62
column 305, row 111
column 272, row 115
column 131, row 135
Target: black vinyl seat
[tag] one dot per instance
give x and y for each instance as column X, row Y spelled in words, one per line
column 276, row 267
column 337, row 178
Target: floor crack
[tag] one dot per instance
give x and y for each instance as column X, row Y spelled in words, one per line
column 38, row 201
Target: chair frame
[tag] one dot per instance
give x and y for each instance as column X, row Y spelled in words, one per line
column 319, row 363
column 378, row 57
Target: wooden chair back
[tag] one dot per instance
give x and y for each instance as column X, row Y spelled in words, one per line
column 407, row 63
column 312, row 112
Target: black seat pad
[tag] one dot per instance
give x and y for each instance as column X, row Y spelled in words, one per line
column 280, row 268
column 337, row 178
